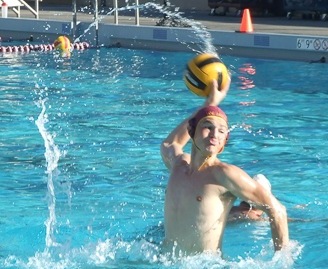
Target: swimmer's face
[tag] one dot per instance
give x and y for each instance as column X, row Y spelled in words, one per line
column 211, row 134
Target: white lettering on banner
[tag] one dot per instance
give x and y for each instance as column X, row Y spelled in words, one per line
column 312, row 44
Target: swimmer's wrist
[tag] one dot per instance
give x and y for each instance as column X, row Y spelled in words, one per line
column 215, row 100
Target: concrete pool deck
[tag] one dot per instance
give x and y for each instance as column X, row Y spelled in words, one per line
column 273, row 37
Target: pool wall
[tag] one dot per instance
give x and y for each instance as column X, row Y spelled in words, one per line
column 261, row 45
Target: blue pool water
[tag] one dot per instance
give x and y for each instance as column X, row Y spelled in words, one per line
column 81, row 179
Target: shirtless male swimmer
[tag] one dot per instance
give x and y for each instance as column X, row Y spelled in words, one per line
column 201, row 189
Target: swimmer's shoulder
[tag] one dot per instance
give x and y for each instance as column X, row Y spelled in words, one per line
column 225, row 172
column 223, row 167
column 227, row 168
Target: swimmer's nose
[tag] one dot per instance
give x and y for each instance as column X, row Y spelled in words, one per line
column 216, row 133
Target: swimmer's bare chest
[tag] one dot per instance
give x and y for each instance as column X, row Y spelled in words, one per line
column 196, row 207
column 196, row 194
column 197, row 184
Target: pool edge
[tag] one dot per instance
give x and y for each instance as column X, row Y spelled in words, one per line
column 256, row 44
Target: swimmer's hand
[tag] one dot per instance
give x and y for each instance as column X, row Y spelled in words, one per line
column 216, row 97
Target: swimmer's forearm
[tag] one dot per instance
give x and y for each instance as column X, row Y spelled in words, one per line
column 279, row 229
column 179, row 134
column 173, row 145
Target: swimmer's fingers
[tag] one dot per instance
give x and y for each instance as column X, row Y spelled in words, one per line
column 216, row 97
column 226, row 87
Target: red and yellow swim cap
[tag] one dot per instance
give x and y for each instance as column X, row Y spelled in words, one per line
column 207, row 111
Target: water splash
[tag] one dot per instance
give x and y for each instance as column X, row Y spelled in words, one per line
column 114, row 253
column 260, row 132
column 200, row 30
column 52, row 155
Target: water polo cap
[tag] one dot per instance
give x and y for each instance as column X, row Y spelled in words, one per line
column 207, row 111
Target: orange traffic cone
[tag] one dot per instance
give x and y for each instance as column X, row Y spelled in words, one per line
column 246, row 22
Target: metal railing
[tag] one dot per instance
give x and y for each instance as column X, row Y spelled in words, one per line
column 34, row 11
column 16, row 5
column 136, row 14
column 95, row 15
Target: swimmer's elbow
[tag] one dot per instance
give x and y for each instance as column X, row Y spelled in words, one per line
column 170, row 152
column 165, row 144
column 165, row 148
column 168, row 148
column 166, row 153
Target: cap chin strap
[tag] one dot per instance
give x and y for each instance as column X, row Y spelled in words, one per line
column 193, row 141
column 221, row 150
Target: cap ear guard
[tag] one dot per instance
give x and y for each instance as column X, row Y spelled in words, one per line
column 226, row 141
column 192, row 127
column 227, row 137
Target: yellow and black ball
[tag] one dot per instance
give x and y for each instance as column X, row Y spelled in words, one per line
column 201, row 70
column 63, row 44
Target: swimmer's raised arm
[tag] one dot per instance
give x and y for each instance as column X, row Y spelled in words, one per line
column 172, row 146
column 243, row 186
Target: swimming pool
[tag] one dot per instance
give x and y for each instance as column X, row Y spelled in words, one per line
column 81, row 179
